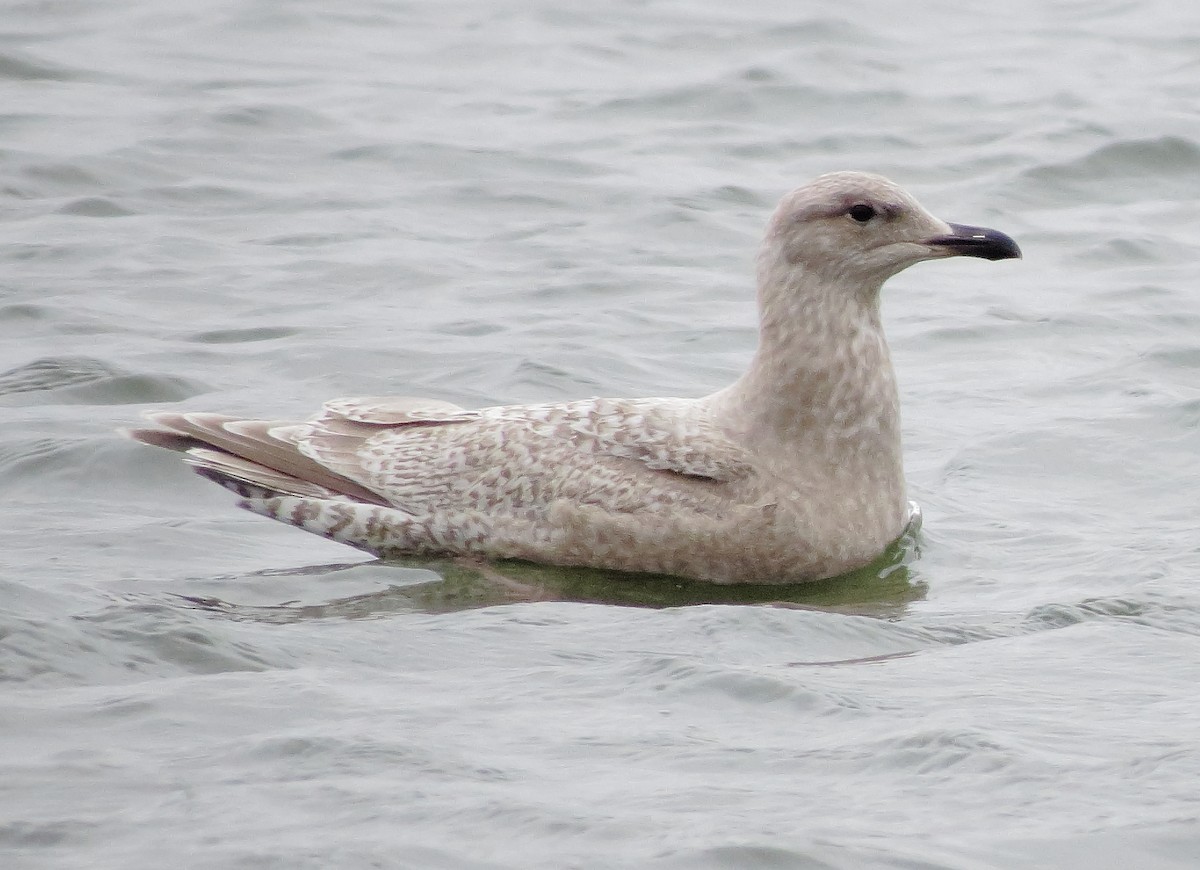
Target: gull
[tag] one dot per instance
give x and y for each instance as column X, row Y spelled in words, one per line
column 792, row 473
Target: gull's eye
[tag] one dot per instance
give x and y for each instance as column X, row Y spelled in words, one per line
column 861, row 212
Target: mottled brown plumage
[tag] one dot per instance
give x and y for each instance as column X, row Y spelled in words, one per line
column 792, row 473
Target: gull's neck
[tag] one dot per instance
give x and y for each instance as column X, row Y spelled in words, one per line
column 822, row 376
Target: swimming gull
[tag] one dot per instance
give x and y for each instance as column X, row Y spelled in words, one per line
column 791, row 473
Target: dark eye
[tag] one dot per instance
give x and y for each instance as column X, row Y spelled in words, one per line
column 861, row 212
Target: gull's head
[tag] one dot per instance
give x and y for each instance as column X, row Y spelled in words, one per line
column 856, row 230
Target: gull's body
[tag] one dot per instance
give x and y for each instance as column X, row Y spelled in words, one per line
column 794, row 472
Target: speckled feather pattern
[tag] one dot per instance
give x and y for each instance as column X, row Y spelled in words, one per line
column 792, row 473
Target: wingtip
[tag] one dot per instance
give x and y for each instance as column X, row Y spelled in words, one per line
column 165, row 438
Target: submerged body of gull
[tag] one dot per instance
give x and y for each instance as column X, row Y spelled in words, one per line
column 792, row 473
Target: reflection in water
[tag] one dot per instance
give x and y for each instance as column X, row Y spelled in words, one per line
column 880, row 589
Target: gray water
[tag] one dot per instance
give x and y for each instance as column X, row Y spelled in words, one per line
column 254, row 206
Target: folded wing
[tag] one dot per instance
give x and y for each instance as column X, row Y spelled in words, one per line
column 427, row 457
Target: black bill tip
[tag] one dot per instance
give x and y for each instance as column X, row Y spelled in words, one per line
column 982, row 242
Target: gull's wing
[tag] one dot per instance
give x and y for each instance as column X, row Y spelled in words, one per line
column 422, row 456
